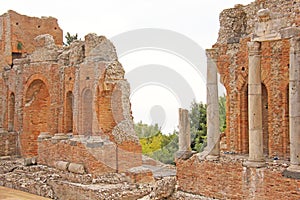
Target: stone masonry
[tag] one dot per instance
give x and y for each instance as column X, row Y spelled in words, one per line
column 63, row 104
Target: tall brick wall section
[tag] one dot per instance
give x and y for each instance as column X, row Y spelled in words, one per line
column 228, row 179
column 273, row 27
column 237, row 27
column 233, row 67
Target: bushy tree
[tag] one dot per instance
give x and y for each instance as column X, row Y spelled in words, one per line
column 70, row 38
column 198, row 115
column 155, row 144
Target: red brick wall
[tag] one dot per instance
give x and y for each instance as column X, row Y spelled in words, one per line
column 129, row 155
column 97, row 160
column 232, row 64
column 25, row 29
column 228, row 179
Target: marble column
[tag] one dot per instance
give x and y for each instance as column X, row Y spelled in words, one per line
column 212, row 100
column 256, row 155
column 184, row 136
column 294, row 104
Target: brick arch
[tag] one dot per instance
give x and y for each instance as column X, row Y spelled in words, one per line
column 36, row 77
column 243, row 117
column 103, row 108
column 36, row 115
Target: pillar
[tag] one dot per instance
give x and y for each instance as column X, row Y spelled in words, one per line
column 256, row 156
column 184, row 136
column 294, row 105
column 212, row 100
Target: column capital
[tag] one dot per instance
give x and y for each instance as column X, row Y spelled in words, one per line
column 254, row 48
column 295, row 45
column 211, row 53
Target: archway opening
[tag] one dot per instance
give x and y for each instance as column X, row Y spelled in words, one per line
column 69, row 112
column 265, row 117
column 87, row 112
column 244, row 120
column 286, row 145
column 36, row 116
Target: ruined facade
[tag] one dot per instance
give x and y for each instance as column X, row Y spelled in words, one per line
column 63, row 104
column 257, row 57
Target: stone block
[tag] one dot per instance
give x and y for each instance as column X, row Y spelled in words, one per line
column 30, row 161
column 76, row 168
column 44, row 136
column 140, row 175
column 62, row 165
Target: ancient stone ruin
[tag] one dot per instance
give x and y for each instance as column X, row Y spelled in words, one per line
column 66, row 104
column 67, row 110
column 257, row 57
column 65, row 117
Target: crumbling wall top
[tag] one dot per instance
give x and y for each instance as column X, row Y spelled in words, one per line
column 261, row 21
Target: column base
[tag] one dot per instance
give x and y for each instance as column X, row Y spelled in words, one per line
column 292, row 171
column 212, row 157
column 254, row 164
column 183, row 155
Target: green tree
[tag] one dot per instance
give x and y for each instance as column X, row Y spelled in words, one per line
column 197, row 115
column 155, row 144
column 70, row 38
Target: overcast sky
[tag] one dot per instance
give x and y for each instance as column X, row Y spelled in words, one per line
column 196, row 20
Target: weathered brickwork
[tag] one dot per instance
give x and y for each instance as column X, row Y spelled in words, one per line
column 257, row 58
column 228, row 179
column 77, row 90
column 239, row 25
column 18, row 31
column 233, row 69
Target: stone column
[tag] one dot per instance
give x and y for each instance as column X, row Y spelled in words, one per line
column 256, row 156
column 294, row 104
column 212, row 98
column 184, row 136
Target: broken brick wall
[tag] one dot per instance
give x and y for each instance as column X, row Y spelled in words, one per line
column 17, row 33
